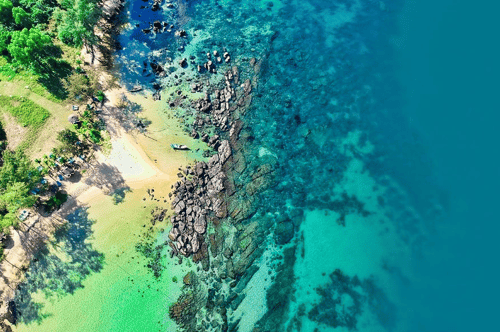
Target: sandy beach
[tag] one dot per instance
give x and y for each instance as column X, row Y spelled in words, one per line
column 135, row 161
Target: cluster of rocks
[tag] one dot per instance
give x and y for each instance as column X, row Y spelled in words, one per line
column 218, row 58
column 181, row 33
column 210, row 64
column 156, row 68
column 197, row 196
column 156, row 5
column 158, row 27
column 220, row 107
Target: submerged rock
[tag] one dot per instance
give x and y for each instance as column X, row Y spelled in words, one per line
column 181, row 33
column 284, row 232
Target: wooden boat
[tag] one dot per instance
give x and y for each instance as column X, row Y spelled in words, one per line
column 179, row 147
column 136, row 88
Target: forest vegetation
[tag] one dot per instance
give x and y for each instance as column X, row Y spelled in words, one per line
column 40, row 44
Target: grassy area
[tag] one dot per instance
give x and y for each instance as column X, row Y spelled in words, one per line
column 49, row 85
column 28, row 114
column 24, row 78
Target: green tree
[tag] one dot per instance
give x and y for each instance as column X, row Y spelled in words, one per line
column 21, row 18
column 6, row 11
column 82, row 85
column 17, row 168
column 17, row 177
column 69, row 138
column 40, row 10
column 28, row 48
column 17, row 196
column 76, row 23
column 4, row 38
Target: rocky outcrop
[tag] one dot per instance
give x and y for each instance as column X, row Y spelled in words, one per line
column 198, row 197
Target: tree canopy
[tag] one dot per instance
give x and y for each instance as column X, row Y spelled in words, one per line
column 82, row 85
column 22, row 23
column 28, row 46
column 21, row 18
column 17, row 167
column 69, row 138
column 39, row 10
column 4, row 38
column 6, row 11
column 76, row 23
column 17, row 177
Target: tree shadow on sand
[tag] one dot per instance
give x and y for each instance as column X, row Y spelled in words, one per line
column 60, row 267
column 127, row 116
column 119, row 195
column 106, row 177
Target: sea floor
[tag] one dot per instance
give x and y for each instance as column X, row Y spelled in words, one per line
column 335, row 225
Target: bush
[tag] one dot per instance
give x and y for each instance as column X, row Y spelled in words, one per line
column 100, row 96
column 55, row 201
column 82, row 86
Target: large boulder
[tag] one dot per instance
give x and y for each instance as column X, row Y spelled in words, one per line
column 200, row 225
column 174, row 234
column 180, row 207
column 224, row 151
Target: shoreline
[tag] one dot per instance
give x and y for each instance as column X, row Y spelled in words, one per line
column 127, row 158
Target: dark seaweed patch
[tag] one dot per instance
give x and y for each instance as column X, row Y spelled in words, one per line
column 345, row 298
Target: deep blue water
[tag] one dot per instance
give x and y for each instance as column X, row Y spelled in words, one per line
column 449, row 69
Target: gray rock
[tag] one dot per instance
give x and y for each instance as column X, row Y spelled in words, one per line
column 224, row 151
column 199, row 170
column 174, row 234
column 180, row 207
column 157, row 26
column 200, row 225
column 195, row 244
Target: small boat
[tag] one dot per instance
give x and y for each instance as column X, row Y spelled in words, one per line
column 136, row 88
column 179, row 147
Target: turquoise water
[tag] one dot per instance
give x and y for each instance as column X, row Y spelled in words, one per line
column 376, row 119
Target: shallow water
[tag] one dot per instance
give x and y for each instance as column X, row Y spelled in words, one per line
column 120, row 294
column 365, row 109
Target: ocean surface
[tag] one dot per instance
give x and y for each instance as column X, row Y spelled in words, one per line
column 379, row 122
